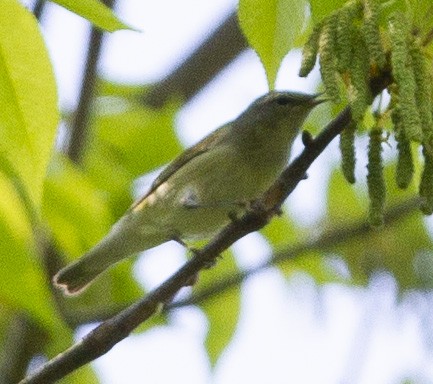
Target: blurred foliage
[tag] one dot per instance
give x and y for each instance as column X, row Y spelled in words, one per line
column 271, row 28
column 29, row 122
column 222, row 310
column 96, row 12
column 46, row 198
column 126, row 141
column 393, row 248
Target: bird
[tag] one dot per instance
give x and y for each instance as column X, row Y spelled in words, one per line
column 204, row 187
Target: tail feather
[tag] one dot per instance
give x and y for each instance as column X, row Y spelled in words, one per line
column 117, row 245
column 74, row 278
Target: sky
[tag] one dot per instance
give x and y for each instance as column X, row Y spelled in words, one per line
column 289, row 331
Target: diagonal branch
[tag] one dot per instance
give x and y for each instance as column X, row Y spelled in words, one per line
column 109, row 333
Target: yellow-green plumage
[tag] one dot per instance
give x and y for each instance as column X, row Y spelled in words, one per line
column 195, row 195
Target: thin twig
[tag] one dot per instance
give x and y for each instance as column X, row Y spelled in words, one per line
column 21, row 340
column 78, row 131
column 38, row 8
column 329, row 239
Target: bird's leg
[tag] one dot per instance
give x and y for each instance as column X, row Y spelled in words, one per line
column 196, row 252
column 178, row 240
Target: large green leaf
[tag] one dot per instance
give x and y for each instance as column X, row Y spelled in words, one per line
column 281, row 232
column 139, row 138
column 80, row 376
column 28, row 98
column 222, row 309
column 23, row 282
column 96, row 12
column 320, row 9
column 127, row 143
column 343, row 202
column 74, row 208
column 271, row 28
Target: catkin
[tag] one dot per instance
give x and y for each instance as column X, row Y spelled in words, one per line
column 375, row 178
column 426, row 185
column 404, row 77
column 309, row 52
column 344, row 38
column 359, row 90
column 423, row 81
column 371, row 33
column 347, row 149
column 327, row 51
column 405, row 167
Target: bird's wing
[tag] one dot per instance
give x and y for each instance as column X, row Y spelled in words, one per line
column 201, row 147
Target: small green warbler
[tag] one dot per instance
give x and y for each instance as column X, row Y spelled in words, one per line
column 201, row 189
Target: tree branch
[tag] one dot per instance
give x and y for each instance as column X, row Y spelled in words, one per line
column 327, row 240
column 109, row 333
column 78, row 131
column 38, row 8
column 201, row 66
column 22, row 339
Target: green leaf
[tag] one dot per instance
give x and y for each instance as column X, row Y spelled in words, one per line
column 75, row 209
column 137, row 136
column 83, row 375
column 112, row 292
column 394, row 248
column 28, row 98
column 281, row 232
column 271, row 28
column 129, row 91
column 320, row 9
column 96, row 12
column 23, row 282
column 128, row 143
column 421, row 13
column 343, row 203
column 315, row 264
column 222, row 310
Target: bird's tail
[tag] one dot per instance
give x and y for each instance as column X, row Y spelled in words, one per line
column 74, row 278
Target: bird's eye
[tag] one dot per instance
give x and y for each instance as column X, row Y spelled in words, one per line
column 283, row 100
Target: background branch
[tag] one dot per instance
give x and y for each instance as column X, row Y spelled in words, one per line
column 21, row 341
column 78, row 130
column 219, row 49
column 38, row 8
column 327, row 240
